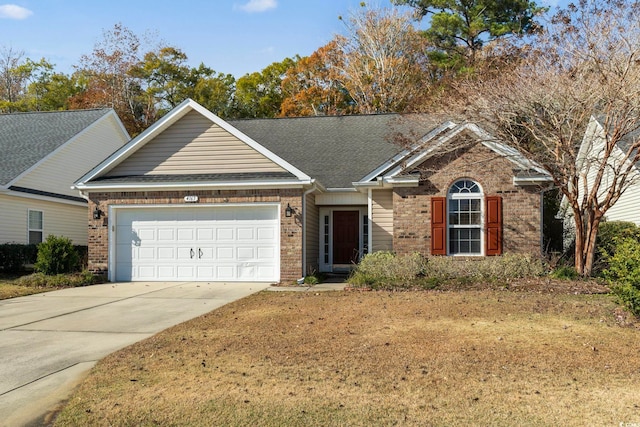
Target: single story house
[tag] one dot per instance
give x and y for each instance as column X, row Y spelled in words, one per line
column 41, row 156
column 195, row 197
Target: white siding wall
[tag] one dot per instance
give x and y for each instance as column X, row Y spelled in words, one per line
column 58, row 219
column 627, row 208
column 382, row 220
column 194, row 145
column 57, row 173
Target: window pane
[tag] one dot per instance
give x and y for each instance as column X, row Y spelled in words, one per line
column 475, row 233
column 35, row 220
column 474, row 219
column 475, row 205
column 475, row 247
column 465, row 219
column 35, row 237
column 464, row 247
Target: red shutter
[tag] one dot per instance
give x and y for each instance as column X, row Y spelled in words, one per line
column 493, row 235
column 438, row 226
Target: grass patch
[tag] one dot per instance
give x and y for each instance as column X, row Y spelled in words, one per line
column 480, row 357
column 12, row 286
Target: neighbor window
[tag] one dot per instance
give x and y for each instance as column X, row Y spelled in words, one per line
column 35, row 227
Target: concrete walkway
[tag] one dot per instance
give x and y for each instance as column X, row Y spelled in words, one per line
column 49, row 341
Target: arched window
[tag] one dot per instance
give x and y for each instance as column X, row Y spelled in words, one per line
column 466, row 221
column 464, row 218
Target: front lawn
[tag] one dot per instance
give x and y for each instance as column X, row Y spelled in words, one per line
column 475, row 357
column 15, row 285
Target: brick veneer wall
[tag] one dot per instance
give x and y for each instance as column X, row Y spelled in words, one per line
column 494, row 173
column 290, row 231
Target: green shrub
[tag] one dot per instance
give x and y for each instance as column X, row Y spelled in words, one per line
column 565, row 272
column 56, row 255
column 623, row 269
column 14, row 256
column 610, row 235
column 629, row 295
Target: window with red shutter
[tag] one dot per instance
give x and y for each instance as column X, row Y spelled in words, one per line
column 438, row 226
column 493, row 225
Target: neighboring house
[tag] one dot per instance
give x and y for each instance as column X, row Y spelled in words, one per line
column 197, row 198
column 41, row 155
column 589, row 160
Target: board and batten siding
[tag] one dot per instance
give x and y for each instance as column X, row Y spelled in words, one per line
column 57, row 173
column 382, row 220
column 194, row 145
column 58, row 219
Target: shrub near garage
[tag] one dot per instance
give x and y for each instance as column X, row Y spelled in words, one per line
column 57, row 255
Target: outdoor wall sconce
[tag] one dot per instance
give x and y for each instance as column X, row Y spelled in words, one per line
column 97, row 213
column 288, row 211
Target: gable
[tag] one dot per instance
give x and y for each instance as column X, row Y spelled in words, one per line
column 57, row 172
column 194, row 145
column 27, row 138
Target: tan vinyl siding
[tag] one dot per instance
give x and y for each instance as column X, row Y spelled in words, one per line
column 312, row 235
column 382, row 220
column 58, row 219
column 341, row 199
column 58, row 172
column 194, row 145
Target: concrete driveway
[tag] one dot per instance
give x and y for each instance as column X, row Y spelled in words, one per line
column 49, row 341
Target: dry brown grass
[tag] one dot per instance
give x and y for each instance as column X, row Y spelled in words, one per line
column 377, row 358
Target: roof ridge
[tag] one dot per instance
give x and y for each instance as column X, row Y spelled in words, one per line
column 24, row 113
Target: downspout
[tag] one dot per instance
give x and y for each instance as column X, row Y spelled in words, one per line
column 369, row 220
column 304, row 232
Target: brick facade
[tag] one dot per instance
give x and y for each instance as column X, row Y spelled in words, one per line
column 494, row 173
column 290, row 231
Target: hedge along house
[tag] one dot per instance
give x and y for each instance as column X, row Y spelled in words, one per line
column 272, row 200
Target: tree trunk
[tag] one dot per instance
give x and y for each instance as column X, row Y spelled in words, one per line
column 587, row 224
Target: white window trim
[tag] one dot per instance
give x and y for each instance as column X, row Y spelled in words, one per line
column 29, row 229
column 481, row 226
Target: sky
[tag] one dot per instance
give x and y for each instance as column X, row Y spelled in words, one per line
column 229, row 36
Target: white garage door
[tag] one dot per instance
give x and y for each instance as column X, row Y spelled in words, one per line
column 231, row 243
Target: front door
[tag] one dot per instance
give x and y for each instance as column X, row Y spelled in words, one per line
column 346, row 236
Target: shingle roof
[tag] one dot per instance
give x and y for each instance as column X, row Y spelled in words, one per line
column 26, row 138
column 336, row 150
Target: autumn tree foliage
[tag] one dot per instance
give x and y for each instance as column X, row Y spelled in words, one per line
column 583, row 69
column 311, row 89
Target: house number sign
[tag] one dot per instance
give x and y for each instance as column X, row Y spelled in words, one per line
column 190, row 199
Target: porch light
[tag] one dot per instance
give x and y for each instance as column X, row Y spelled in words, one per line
column 288, row 211
column 97, row 213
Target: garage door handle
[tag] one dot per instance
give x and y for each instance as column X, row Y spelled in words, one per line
column 199, row 253
column 191, row 253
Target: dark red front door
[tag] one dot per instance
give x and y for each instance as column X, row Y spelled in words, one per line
column 346, row 239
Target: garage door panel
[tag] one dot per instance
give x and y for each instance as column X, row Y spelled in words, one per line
column 210, row 243
column 224, row 233
column 245, row 254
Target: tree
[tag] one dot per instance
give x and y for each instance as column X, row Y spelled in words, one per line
column 311, row 89
column 109, row 83
column 585, row 65
column 459, row 29
column 381, row 61
column 260, row 94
